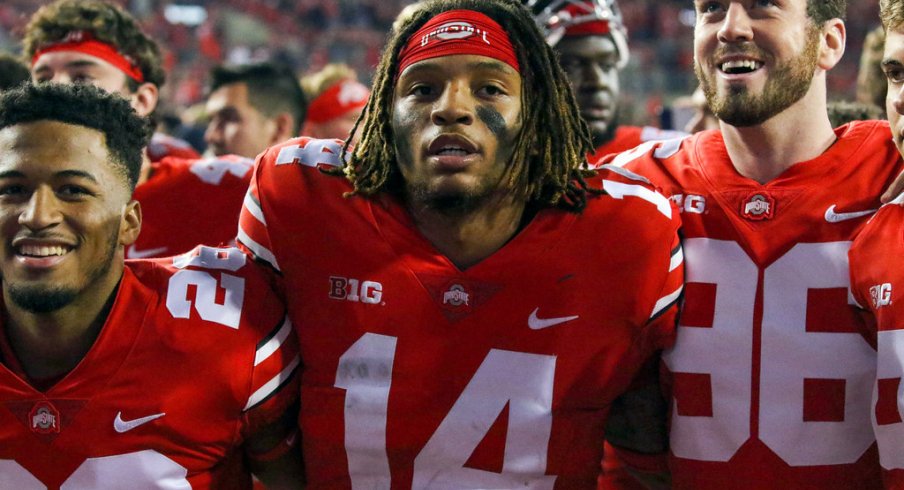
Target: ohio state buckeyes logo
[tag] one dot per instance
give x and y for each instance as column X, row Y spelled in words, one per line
column 456, row 296
column 451, row 31
column 44, row 418
column 757, row 207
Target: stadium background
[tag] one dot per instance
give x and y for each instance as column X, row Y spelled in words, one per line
column 307, row 34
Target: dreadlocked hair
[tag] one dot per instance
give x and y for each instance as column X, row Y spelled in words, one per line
column 547, row 165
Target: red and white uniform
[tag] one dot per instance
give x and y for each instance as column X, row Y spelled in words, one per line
column 189, row 202
column 166, row 395
column 771, row 373
column 163, row 146
column 627, row 137
column 877, row 282
column 419, row 374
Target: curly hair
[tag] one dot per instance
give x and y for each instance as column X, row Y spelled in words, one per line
column 891, row 12
column 547, row 166
column 106, row 22
column 126, row 133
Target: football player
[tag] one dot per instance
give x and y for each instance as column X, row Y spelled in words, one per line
column 771, row 375
column 252, row 107
column 177, row 373
column 185, row 200
column 591, row 40
column 471, row 302
column 877, row 276
column 337, row 100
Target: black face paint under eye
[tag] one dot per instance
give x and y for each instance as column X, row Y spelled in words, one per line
column 494, row 121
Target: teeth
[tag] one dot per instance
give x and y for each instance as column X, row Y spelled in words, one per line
column 452, row 150
column 738, row 66
column 42, row 250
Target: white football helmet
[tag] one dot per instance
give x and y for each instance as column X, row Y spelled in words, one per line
column 554, row 17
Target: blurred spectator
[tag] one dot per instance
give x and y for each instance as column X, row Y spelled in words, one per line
column 12, row 72
column 336, row 101
column 842, row 112
column 691, row 113
column 252, row 107
column 871, row 84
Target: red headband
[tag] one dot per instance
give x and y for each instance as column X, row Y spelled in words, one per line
column 459, row 32
column 338, row 100
column 594, row 28
column 84, row 42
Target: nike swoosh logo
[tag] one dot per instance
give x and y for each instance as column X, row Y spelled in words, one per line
column 535, row 323
column 833, row 217
column 134, row 253
column 120, row 425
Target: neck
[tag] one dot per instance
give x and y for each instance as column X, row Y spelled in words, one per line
column 799, row 133
column 468, row 238
column 52, row 344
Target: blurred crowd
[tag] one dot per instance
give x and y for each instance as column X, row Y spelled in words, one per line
column 308, row 34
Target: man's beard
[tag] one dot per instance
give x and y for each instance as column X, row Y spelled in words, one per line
column 46, row 299
column 789, row 82
column 451, row 204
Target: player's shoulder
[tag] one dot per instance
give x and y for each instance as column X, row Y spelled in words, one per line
column 630, row 192
column 303, row 153
column 884, row 228
column 211, row 287
column 163, row 145
column 214, row 171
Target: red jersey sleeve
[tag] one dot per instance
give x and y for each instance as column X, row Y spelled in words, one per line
column 273, row 180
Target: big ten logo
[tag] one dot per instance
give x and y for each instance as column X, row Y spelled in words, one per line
column 880, row 294
column 689, row 203
column 369, row 292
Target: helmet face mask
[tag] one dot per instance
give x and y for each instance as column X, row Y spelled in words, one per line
column 555, row 17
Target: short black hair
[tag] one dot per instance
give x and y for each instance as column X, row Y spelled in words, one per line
column 273, row 88
column 126, row 132
column 12, row 72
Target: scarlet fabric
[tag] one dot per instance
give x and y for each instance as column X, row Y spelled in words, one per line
column 189, row 202
column 194, row 377
column 341, row 98
column 163, row 145
column 877, row 282
column 459, row 32
column 463, row 368
column 84, row 42
column 596, row 27
column 768, row 333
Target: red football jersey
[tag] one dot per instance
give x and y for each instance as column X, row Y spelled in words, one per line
column 420, row 374
column 877, row 266
column 189, row 202
column 196, row 355
column 627, row 137
column 771, row 373
column 163, row 145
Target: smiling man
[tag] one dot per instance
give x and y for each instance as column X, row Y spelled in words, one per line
column 770, row 204
column 116, row 375
column 460, row 326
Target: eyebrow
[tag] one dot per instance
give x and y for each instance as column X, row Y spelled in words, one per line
column 15, row 174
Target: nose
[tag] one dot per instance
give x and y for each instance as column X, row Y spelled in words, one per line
column 897, row 99
column 736, row 27
column 213, row 135
column 41, row 211
column 454, row 106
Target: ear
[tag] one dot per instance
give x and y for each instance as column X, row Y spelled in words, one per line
column 285, row 128
column 144, row 99
column 834, row 36
column 131, row 223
